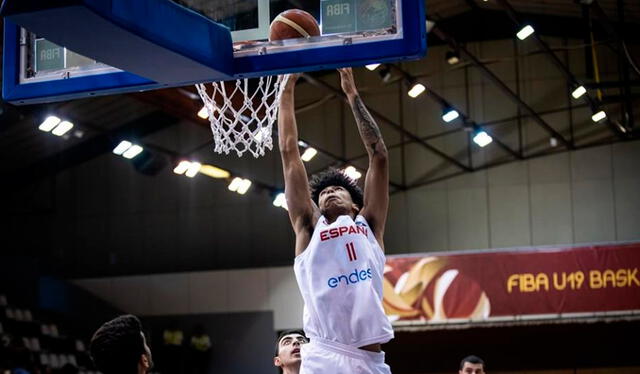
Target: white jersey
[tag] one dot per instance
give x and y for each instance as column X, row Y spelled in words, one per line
column 340, row 279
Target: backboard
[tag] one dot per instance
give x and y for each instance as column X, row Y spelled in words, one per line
column 79, row 48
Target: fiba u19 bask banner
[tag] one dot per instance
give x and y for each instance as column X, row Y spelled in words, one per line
column 549, row 282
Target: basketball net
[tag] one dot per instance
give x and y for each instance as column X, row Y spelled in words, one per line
column 242, row 117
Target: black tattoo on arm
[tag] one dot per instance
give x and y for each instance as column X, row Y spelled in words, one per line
column 367, row 126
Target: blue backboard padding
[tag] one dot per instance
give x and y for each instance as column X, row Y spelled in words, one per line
column 156, row 39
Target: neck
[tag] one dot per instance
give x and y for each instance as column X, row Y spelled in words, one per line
column 292, row 369
column 332, row 217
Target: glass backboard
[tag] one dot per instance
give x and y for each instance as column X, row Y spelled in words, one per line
column 151, row 44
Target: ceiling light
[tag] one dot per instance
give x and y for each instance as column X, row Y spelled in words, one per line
column 452, row 57
column 182, row 167
column 308, row 154
column 214, row 172
column 416, row 90
column 372, row 67
column 62, row 128
column 578, row 92
column 599, row 116
column 525, row 32
column 450, row 114
column 260, row 134
column 352, row 173
column 49, row 123
column 244, row 186
column 123, row 146
column 203, row 113
column 132, row 152
column 193, row 169
column 482, row 139
column 239, row 185
column 280, row 201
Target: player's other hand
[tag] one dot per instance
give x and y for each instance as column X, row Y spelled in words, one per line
column 293, row 78
column 347, row 82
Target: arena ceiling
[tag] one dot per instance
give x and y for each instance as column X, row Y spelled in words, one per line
column 525, row 128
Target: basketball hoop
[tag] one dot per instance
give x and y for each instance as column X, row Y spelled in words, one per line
column 242, row 114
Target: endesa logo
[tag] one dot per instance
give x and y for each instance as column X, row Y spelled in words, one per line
column 349, row 279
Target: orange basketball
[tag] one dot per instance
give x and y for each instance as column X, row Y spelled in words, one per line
column 293, row 23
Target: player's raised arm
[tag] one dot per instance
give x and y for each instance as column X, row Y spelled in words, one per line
column 376, row 186
column 302, row 211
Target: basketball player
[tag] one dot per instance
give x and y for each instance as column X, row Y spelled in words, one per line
column 287, row 356
column 339, row 248
column 119, row 347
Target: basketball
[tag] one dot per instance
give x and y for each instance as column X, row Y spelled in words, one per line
column 293, row 23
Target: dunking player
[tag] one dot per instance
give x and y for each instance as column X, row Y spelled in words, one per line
column 339, row 248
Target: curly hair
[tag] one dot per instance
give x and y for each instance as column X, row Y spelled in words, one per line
column 117, row 345
column 335, row 177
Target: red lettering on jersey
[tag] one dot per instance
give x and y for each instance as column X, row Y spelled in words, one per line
column 324, row 235
column 342, row 230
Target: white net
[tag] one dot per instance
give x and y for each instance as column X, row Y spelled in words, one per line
column 242, row 113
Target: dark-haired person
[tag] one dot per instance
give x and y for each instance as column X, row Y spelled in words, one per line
column 287, row 354
column 471, row 365
column 119, row 347
column 339, row 247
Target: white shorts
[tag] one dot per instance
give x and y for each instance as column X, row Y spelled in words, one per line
column 324, row 357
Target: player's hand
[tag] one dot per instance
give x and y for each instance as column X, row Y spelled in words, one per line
column 293, row 78
column 347, row 82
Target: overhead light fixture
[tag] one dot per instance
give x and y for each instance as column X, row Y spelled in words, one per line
column 193, row 169
column 352, row 173
column 123, row 146
column 482, row 139
column 302, row 144
column 372, row 67
column 203, row 113
column 578, row 92
column 525, row 32
column 450, row 114
column 452, row 57
column 260, row 134
column 214, row 172
column 239, row 185
column 280, row 201
column 553, row 142
column 49, row 123
column 308, row 154
column 416, row 90
column 599, row 116
column 429, row 25
column 62, row 128
column 182, row 167
column 132, row 152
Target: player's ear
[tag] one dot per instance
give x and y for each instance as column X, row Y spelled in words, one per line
column 277, row 362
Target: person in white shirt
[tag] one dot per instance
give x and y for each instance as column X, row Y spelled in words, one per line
column 339, row 246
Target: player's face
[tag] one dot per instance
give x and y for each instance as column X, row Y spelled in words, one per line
column 335, row 199
column 470, row 368
column 289, row 349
